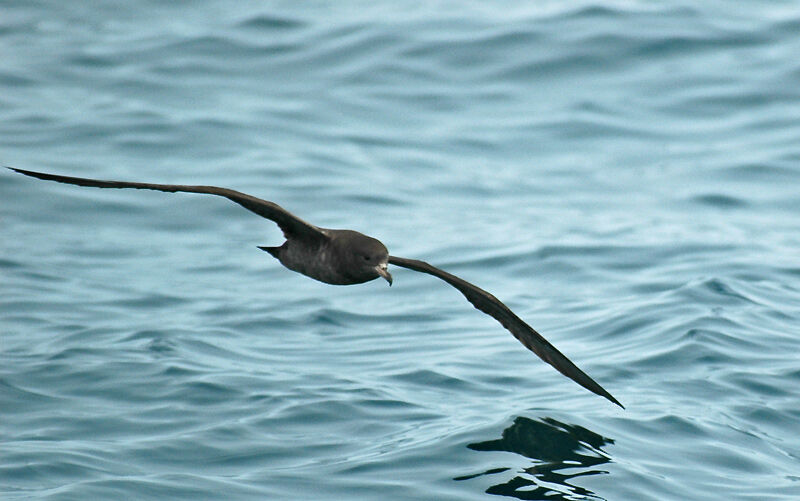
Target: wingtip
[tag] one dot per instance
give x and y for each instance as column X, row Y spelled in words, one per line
column 599, row 390
column 23, row 171
column 612, row 399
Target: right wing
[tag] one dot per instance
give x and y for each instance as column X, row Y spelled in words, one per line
column 290, row 224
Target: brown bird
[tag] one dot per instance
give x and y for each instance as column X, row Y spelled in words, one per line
column 346, row 257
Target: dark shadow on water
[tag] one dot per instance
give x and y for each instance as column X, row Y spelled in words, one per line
column 560, row 452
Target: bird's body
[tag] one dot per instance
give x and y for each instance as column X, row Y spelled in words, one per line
column 346, row 257
column 331, row 259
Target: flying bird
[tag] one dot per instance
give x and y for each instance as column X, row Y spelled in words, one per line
column 346, row 257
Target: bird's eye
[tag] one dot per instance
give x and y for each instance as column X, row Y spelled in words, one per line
column 366, row 258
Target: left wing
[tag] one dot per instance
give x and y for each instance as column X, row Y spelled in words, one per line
column 492, row 306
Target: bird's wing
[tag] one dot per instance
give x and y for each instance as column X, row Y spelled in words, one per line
column 290, row 224
column 492, row 306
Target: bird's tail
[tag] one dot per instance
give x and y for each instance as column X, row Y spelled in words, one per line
column 275, row 251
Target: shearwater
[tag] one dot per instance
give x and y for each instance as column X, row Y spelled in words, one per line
column 346, row 257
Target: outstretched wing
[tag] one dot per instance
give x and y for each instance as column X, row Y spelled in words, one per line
column 290, row 224
column 532, row 340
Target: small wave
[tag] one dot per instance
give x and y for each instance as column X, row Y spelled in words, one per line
column 719, row 201
column 269, row 23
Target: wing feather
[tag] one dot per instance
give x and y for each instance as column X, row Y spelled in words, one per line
column 492, row 306
column 289, row 223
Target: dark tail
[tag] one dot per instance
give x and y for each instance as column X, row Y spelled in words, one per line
column 275, row 251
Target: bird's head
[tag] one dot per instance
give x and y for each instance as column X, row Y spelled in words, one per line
column 370, row 257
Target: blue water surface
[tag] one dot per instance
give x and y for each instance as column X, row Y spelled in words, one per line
column 625, row 175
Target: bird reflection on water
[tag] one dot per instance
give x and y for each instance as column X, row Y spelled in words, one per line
column 553, row 446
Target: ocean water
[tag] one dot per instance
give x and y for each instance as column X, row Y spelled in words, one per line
column 625, row 175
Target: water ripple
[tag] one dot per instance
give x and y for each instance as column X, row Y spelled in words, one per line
column 624, row 176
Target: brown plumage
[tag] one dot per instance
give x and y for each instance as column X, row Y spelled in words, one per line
column 345, row 257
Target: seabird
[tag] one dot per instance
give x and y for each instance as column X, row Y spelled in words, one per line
column 346, row 257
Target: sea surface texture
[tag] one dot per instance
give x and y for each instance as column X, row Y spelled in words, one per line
column 624, row 175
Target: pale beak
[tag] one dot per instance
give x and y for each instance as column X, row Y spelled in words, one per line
column 382, row 271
